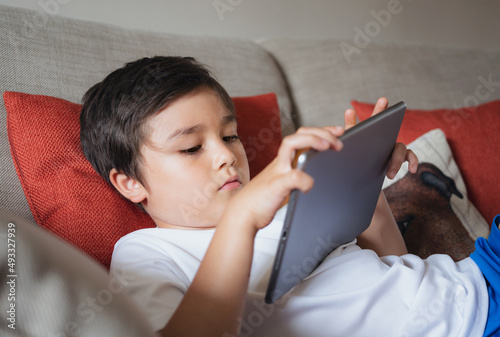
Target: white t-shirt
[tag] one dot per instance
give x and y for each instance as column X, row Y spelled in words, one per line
column 352, row 293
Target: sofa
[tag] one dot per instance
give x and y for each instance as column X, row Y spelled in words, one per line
column 453, row 114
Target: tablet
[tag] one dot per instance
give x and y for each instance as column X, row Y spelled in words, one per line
column 340, row 206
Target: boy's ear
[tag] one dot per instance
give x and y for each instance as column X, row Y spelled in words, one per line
column 128, row 187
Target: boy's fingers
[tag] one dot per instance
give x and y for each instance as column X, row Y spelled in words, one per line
column 297, row 141
column 350, row 114
column 297, row 179
column 349, row 118
column 399, row 156
column 412, row 159
column 325, row 132
column 337, row 131
column 380, row 106
column 329, row 134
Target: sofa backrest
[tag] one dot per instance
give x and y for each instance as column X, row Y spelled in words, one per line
column 325, row 75
column 61, row 57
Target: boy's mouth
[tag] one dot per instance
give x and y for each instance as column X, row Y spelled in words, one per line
column 231, row 183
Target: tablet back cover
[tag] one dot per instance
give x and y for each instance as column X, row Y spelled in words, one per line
column 341, row 203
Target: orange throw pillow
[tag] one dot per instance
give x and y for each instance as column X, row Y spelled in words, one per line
column 65, row 194
column 473, row 134
column 259, row 128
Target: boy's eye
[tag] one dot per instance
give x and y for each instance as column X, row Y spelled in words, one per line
column 191, row 150
column 230, row 138
column 195, row 149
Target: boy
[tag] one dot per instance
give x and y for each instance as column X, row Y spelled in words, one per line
column 205, row 274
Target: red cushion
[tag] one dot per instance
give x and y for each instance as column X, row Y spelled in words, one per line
column 473, row 134
column 259, row 128
column 66, row 195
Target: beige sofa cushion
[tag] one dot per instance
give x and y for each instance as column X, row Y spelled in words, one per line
column 63, row 57
column 56, row 290
column 324, row 78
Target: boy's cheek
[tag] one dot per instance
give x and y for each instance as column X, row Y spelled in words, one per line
column 244, row 167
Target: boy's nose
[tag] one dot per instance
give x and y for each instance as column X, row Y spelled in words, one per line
column 223, row 157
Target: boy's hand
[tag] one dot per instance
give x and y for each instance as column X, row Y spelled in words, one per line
column 265, row 193
column 400, row 153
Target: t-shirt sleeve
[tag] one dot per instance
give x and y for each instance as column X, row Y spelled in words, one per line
column 150, row 276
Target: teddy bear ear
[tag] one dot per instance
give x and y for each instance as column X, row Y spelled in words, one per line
column 444, row 184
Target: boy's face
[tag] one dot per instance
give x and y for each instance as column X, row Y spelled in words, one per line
column 193, row 162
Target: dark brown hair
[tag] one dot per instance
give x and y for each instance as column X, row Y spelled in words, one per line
column 115, row 110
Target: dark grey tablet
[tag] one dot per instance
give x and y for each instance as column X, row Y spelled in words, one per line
column 340, row 205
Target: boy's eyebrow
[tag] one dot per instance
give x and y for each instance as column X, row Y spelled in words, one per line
column 185, row 131
column 192, row 129
column 228, row 119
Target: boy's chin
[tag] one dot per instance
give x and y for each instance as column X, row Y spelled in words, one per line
column 206, row 217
